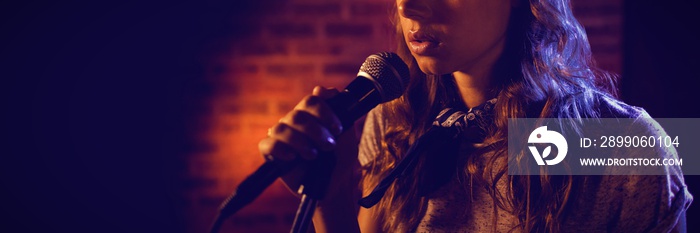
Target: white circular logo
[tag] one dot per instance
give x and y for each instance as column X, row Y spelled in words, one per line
column 542, row 135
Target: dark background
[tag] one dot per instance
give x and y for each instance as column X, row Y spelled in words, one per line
column 660, row 73
column 98, row 100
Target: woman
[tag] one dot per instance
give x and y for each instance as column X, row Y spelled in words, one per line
column 502, row 59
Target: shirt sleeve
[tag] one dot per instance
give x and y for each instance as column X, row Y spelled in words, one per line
column 371, row 139
column 661, row 199
column 634, row 203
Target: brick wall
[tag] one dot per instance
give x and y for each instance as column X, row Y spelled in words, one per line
column 277, row 59
column 263, row 74
column 603, row 22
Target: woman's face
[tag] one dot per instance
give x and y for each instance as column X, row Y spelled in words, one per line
column 445, row 36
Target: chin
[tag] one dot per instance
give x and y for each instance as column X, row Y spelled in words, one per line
column 432, row 67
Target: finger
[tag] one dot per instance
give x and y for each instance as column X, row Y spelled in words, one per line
column 310, row 126
column 317, row 107
column 298, row 141
column 324, row 92
column 276, row 149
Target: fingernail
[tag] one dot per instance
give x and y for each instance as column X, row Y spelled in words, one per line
column 317, row 90
column 331, row 142
column 337, row 129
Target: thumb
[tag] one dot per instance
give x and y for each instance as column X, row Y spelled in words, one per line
column 324, row 92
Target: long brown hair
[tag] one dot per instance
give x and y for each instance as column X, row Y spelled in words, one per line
column 546, row 70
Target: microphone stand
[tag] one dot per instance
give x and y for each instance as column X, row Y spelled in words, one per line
column 313, row 188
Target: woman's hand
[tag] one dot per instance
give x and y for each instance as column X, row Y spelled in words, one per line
column 305, row 131
column 309, row 128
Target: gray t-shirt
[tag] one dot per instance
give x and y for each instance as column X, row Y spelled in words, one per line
column 605, row 203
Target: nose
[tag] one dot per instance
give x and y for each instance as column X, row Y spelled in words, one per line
column 418, row 10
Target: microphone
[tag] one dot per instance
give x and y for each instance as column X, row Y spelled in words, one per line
column 382, row 77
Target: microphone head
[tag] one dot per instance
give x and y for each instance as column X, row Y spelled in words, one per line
column 388, row 72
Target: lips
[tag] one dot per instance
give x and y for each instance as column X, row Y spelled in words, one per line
column 422, row 43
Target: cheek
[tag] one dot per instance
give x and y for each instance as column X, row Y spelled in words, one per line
column 475, row 33
column 406, row 25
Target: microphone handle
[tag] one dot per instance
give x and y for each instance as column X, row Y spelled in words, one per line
column 255, row 184
column 356, row 100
